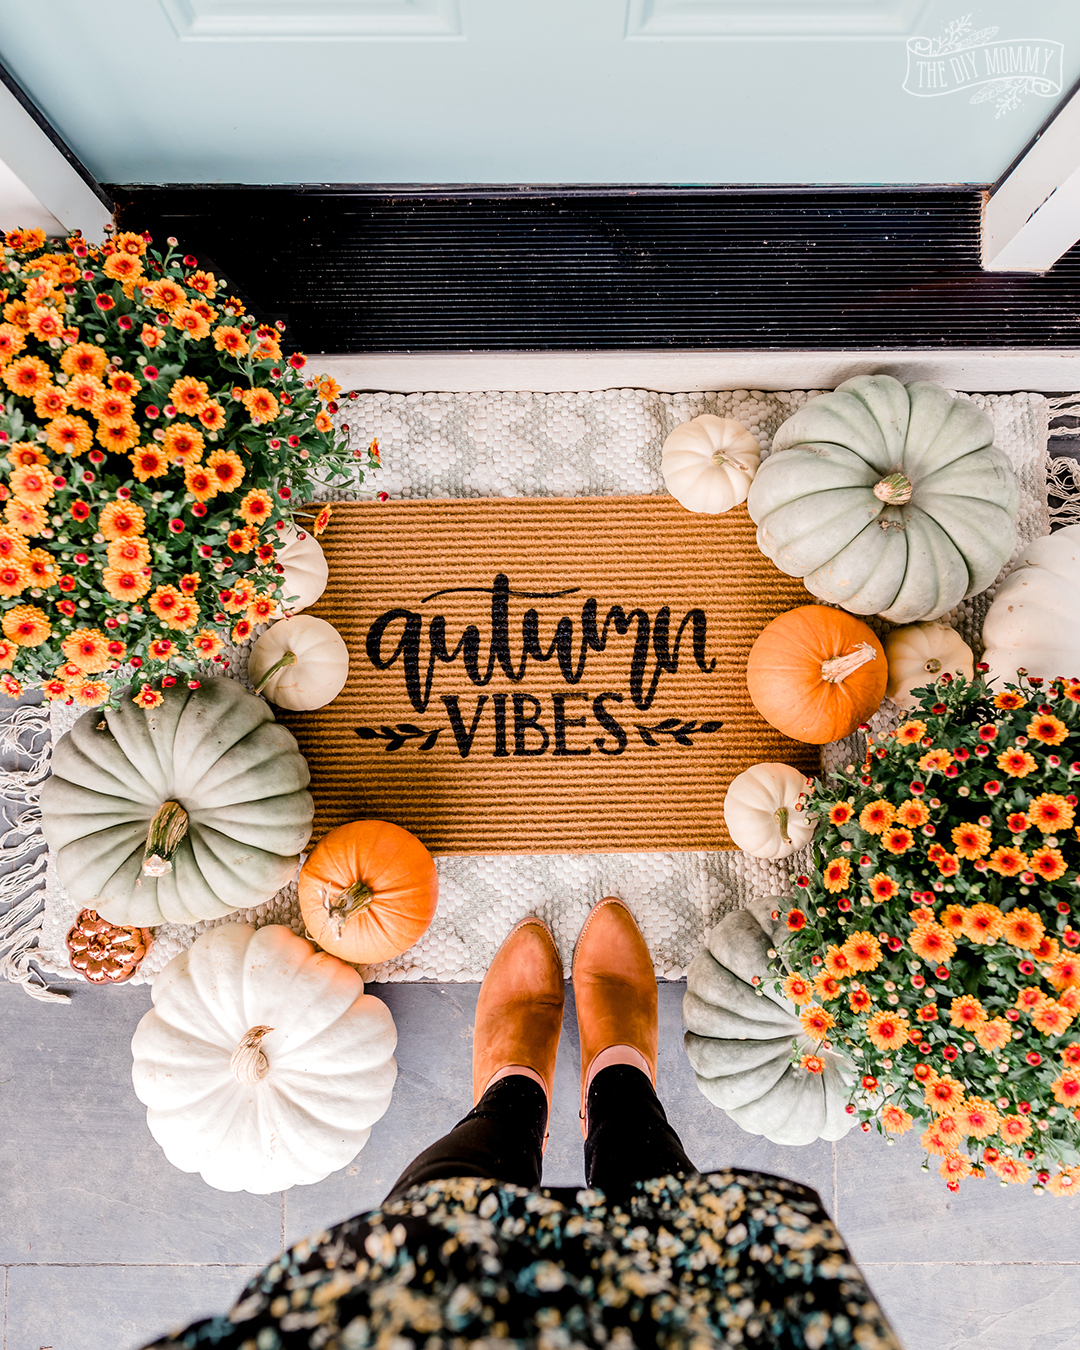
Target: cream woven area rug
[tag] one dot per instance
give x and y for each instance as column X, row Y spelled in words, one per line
column 513, row 445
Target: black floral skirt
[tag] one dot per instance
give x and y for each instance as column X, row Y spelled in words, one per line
column 723, row 1259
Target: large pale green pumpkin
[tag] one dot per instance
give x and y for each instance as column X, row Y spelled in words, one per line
column 887, row 499
column 224, row 783
column 739, row 1038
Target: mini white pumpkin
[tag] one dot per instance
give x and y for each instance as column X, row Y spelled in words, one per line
column 1033, row 620
column 306, row 569
column 263, row 1064
column 709, row 462
column 738, row 1038
column 762, row 811
column 299, row 663
column 920, row 653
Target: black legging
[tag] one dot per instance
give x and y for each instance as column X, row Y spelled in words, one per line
column 502, row 1137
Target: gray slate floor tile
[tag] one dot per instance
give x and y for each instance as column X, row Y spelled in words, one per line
column 112, row 1307
column 980, row 1307
column 889, row 1210
column 83, row 1179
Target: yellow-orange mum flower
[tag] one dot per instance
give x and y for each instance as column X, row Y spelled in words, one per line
column 876, row 816
column 966, row 1012
column 123, row 267
column 11, row 342
column 1048, row 729
column 125, row 583
column 327, row 388
column 87, row 648
column 45, row 323
column 912, row 813
column 191, row 322
column 859, row 1000
column 827, row 986
column 812, row 1064
column 1052, row 1018
column 261, row 404
column 113, row 409
column 883, row 887
column 1046, row 949
column 1066, row 1088
column 262, row 607
column 1008, row 861
column 1030, row 998
column 1065, row 1182
column 24, row 453
column 26, row 376
column 896, row 1120
column 17, row 313
column 14, row 578
column 322, row 422
column 50, row 402
column 944, row 1095
column 1015, row 762
column 148, row 698
column 131, row 552
column 162, row 649
column 231, row 340
column 164, row 603
column 90, row 693
column 863, row 951
column 8, row 652
column 932, row 943
column 167, row 296
column 321, row 521
column 955, row 1167
column 837, row 875
column 189, row 395
column 149, row 461
column 1014, row 1129
column 797, row 988
column 838, row 963
column 1049, row 812
column 952, row 918
column 971, row 841
column 203, row 282
column 84, row 358
column 935, row 760
column 69, row 435
column 243, row 540
column 151, row 336
column 185, row 615
column 25, row 517
column 942, row 1137
column 994, row 1035
column 206, row 644
column 816, row 1021
column 41, row 568
column 31, row 483
column 983, row 923
column 226, row 469
column 190, row 583
column 120, row 519
column 1010, row 699
column 212, row 416
column 1065, row 974
column 887, row 1030
column 199, row 483
column 119, row 438
column 1022, row 928
column 83, row 391
column 236, row 600
column 124, row 382
column 255, row 507
column 128, row 242
column 13, row 546
column 1011, row 1170
column 27, row 625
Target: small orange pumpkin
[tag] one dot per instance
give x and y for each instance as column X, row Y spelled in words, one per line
column 368, row 891
column 815, row 673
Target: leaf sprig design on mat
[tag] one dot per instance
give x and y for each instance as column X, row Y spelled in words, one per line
column 397, row 736
column 677, row 729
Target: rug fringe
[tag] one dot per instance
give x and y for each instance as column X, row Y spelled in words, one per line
column 26, row 739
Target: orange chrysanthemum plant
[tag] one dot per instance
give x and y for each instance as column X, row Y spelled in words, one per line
column 936, row 930
column 155, row 444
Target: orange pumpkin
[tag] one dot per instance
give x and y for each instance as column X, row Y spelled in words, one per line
column 815, row 673
column 368, row 891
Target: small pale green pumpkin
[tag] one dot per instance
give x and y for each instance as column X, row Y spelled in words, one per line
column 887, row 499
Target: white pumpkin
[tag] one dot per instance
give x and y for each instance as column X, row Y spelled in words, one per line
column 1034, row 620
column 709, row 462
column 262, row 1064
column 306, row 569
column 762, row 811
column 299, row 663
column 920, row 653
column 739, row 1038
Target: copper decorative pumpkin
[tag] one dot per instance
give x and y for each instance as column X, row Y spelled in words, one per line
column 104, row 953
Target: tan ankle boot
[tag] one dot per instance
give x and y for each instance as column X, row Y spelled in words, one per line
column 614, row 989
column 519, row 1011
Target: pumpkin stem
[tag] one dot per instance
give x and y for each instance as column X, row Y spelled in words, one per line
column 353, row 900
column 840, row 667
column 780, row 815
column 932, row 666
column 167, row 828
column 287, row 659
column 725, row 461
column 895, row 489
column 248, row 1061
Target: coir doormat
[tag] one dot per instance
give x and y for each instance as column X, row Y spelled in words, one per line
column 539, row 675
